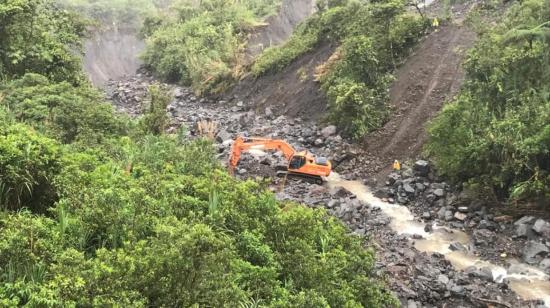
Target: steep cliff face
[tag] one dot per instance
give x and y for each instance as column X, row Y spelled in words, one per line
column 279, row 27
column 112, row 54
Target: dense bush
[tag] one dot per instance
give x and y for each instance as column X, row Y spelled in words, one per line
column 496, row 133
column 28, row 163
column 162, row 234
column 38, row 36
column 201, row 44
column 374, row 38
column 61, row 110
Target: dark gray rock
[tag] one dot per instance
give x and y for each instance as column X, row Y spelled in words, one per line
column 223, row 136
column 409, row 189
column 393, row 177
column 422, row 167
column 525, row 220
column 456, row 246
column 542, row 228
column 439, row 193
column 534, row 252
column 441, row 213
column 522, row 230
column 449, row 215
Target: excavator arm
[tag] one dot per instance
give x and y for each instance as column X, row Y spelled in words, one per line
column 242, row 145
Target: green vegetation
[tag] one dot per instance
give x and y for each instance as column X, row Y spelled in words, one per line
column 38, row 36
column 496, row 133
column 374, row 38
column 100, row 210
column 202, row 44
column 118, row 13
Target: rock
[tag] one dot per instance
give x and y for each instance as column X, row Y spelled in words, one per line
column 522, row 231
column 426, row 215
column 428, row 228
column 441, row 213
column 328, row 131
column 222, row 136
column 534, row 251
column 341, row 192
column 408, row 189
column 412, row 304
column 545, row 264
column 242, row 171
column 542, row 227
column 439, row 193
column 382, row 193
column 525, row 220
column 463, row 209
column 443, row 279
column 484, row 273
column 422, row 168
column 456, row 246
column 449, row 215
column 266, row 161
column 318, row 142
column 460, row 216
column 457, row 290
column 420, row 186
column 268, row 112
column 393, row 177
column 332, row 204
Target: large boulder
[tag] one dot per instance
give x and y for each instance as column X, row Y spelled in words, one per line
column 422, row 168
column 534, row 252
column 328, row 131
column 223, row 136
column 542, row 228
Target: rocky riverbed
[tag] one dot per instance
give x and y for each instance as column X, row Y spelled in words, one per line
column 420, row 274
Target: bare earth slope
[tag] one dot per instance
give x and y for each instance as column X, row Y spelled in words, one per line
column 430, row 77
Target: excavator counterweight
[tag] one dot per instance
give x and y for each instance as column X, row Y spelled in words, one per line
column 300, row 164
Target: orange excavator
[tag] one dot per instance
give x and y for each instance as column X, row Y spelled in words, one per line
column 301, row 164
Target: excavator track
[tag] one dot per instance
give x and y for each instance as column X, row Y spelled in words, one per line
column 308, row 178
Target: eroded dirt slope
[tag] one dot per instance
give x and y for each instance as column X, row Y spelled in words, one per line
column 428, row 79
column 292, row 92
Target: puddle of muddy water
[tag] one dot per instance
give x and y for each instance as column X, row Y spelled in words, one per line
column 528, row 282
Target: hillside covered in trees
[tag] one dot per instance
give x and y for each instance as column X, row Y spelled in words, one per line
column 495, row 135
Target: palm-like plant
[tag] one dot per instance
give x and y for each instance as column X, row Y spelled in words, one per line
column 539, row 33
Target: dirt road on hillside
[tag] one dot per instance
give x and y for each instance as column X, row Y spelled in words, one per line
column 428, row 79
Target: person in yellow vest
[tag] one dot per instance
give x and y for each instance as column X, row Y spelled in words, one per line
column 435, row 23
column 396, row 165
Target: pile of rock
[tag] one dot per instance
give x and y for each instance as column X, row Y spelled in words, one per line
column 537, row 233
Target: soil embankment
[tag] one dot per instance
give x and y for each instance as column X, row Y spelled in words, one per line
column 427, row 80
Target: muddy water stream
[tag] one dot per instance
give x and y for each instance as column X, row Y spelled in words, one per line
column 528, row 282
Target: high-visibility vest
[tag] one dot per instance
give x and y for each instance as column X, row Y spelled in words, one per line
column 396, row 165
